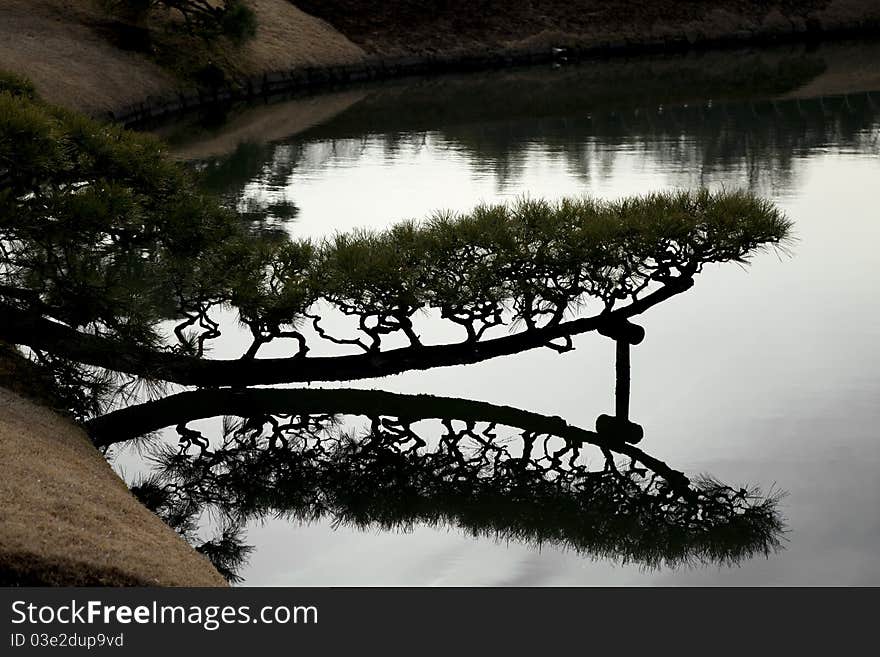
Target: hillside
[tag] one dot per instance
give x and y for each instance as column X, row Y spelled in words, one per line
column 79, row 58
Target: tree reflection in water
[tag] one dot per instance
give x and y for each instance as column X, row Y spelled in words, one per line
column 490, row 471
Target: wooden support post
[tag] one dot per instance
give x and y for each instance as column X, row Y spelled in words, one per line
column 621, row 390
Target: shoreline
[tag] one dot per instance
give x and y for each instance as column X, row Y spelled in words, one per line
column 63, row 46
column 333, row 78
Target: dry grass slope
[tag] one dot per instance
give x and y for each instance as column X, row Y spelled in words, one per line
column 67, row 519
column 60, row 46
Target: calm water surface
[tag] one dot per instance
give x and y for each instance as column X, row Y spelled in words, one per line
column 768, row 374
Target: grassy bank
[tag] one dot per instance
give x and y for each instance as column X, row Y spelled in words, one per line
column 80, row 58
column 67, row 519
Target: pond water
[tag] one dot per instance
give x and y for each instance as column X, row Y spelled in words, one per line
column 767, row 375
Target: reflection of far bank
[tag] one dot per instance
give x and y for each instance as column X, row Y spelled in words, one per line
column 850, row 68
column 372, row 459
column 194, row 138
column 750, row 113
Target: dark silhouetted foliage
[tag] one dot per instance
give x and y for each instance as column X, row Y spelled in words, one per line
column 105, row 239
column 488, row 470
column 108, row 249
column 230, row 18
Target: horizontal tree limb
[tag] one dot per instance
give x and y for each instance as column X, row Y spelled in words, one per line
column 23, row 328
column 133, row 421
